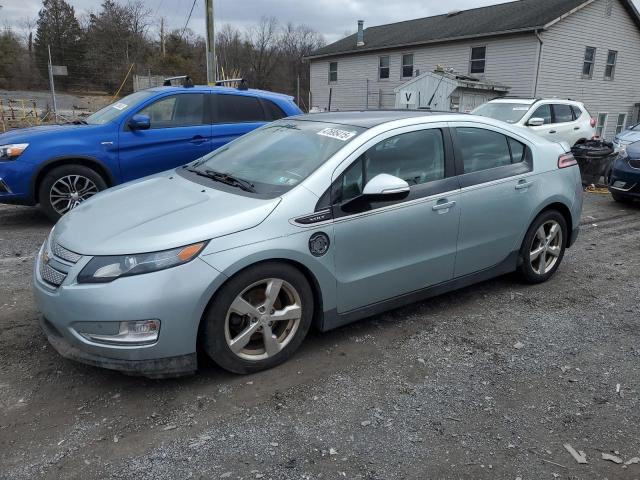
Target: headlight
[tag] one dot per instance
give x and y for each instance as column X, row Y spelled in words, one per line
column 12, row 151
column 107, row 269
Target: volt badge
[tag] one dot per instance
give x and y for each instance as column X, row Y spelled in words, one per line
column 319, row 244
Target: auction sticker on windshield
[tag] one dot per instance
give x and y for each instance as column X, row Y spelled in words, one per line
column 336, row 133
column 120, row 106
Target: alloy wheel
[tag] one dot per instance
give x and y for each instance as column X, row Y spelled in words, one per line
column 263, row 319
column 70, row 191
column 546, row 247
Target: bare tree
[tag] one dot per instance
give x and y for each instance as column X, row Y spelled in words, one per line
column 263, row 54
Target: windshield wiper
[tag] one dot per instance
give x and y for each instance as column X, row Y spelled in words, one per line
column 225, row 178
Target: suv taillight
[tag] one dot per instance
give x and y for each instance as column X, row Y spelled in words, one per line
column 592, row 122
column 566, row 160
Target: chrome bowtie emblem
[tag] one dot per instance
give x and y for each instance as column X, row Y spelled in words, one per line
column 45, row 257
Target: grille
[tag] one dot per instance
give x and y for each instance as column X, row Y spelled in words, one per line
column 63, row 253
column 51, row 275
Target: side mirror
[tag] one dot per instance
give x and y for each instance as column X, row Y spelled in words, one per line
column 535, row 122
column 385, row 184
column 140, row 122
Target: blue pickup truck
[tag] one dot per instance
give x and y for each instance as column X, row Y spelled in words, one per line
column 149, row 131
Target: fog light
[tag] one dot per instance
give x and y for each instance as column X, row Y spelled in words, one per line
column 619, row 184
column 142, row 332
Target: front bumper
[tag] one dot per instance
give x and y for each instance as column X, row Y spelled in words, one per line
column 176, row 296
column 15, row 187
column 624, row 180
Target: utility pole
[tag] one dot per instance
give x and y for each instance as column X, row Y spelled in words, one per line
column 211, row 43
column 53, row 91
column 162, row 47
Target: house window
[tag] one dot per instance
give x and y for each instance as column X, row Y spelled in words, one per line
column 622, row 120
column 610, row 68
column 478, row 55
column 383, row 67
column 608, row 8
column 589, row 61
column 407, row 65
column 601, row 126
column 333, row 71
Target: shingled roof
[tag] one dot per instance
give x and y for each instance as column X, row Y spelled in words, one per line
column 502, row 19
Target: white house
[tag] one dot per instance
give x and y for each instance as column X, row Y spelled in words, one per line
column 584, row 50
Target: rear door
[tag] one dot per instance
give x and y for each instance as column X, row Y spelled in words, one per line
column 567, row 128
column 237, row 114
column 180, row 132
column 497, row 196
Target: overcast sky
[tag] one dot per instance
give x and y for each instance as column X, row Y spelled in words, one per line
column 332, row 18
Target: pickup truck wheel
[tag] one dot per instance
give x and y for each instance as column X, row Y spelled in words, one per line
column 66, row 187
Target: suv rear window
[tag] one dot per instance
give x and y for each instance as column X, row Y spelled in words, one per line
column 562, row 113
column 273, row 111
column 237, row 109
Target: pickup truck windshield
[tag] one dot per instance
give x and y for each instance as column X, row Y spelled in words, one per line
column 108, row 113
column 280, row 155
column 507, row 112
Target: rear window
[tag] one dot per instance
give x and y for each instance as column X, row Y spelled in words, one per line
column 237, row 109
column 273, row 111
column 563, row 113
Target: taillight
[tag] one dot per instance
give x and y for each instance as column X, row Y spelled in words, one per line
column 592, row 122
column 566, row 160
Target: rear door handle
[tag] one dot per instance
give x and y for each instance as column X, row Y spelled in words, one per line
column 523, row 184
column 552, row 131
column 197, row 140
column 576, row 128
column 443, row 205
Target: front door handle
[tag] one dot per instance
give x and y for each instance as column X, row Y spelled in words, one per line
column 443, row 205
column 523, row 185
column 197, row 140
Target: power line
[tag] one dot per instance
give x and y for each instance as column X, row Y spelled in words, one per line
column 188, row 18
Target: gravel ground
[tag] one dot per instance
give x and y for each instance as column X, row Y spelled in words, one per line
column 487, row 382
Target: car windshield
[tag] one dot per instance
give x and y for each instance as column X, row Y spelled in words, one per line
column 108, row 113
column 507, row 112
column 279, row 155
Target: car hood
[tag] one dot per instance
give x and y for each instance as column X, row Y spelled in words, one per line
column 628, row 136
column 27, row 135
column 157, row 213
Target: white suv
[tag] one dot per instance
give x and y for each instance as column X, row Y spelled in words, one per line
column 554, row 119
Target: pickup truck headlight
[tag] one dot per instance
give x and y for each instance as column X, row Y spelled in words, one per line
column 12, row 150
column 108, row 268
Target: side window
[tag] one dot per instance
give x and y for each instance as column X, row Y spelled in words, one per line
column 274, row 112
column 576, row 112
column 176, row 111
column 562, row 113
column 482, row 149
column 544, row 112
column 518, row 150
column 416, row 157
column 237, row 109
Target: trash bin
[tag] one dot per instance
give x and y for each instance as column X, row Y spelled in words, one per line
column 594, row 158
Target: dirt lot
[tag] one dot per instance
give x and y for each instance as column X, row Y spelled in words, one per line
column 488, row 382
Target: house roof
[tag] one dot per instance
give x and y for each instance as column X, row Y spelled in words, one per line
column 505, row 18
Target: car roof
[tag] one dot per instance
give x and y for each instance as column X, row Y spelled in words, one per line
column 531, row 101
column 228, row 90
column 367, row 118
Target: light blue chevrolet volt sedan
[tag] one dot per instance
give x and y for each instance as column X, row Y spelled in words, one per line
column 319, row 219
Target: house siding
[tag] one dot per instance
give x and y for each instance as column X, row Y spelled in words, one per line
column 510, row 61
column 563, row 54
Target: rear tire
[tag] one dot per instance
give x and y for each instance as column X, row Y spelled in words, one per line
column 259, row 318
column 65, row 187
column 543, row 247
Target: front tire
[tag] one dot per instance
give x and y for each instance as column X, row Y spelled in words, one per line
column 66, row 187
column 259, row 318
column 543, row 247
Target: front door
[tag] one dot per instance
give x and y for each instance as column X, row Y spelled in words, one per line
column 180, row 132
column 497, row 196
column 388, row 247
